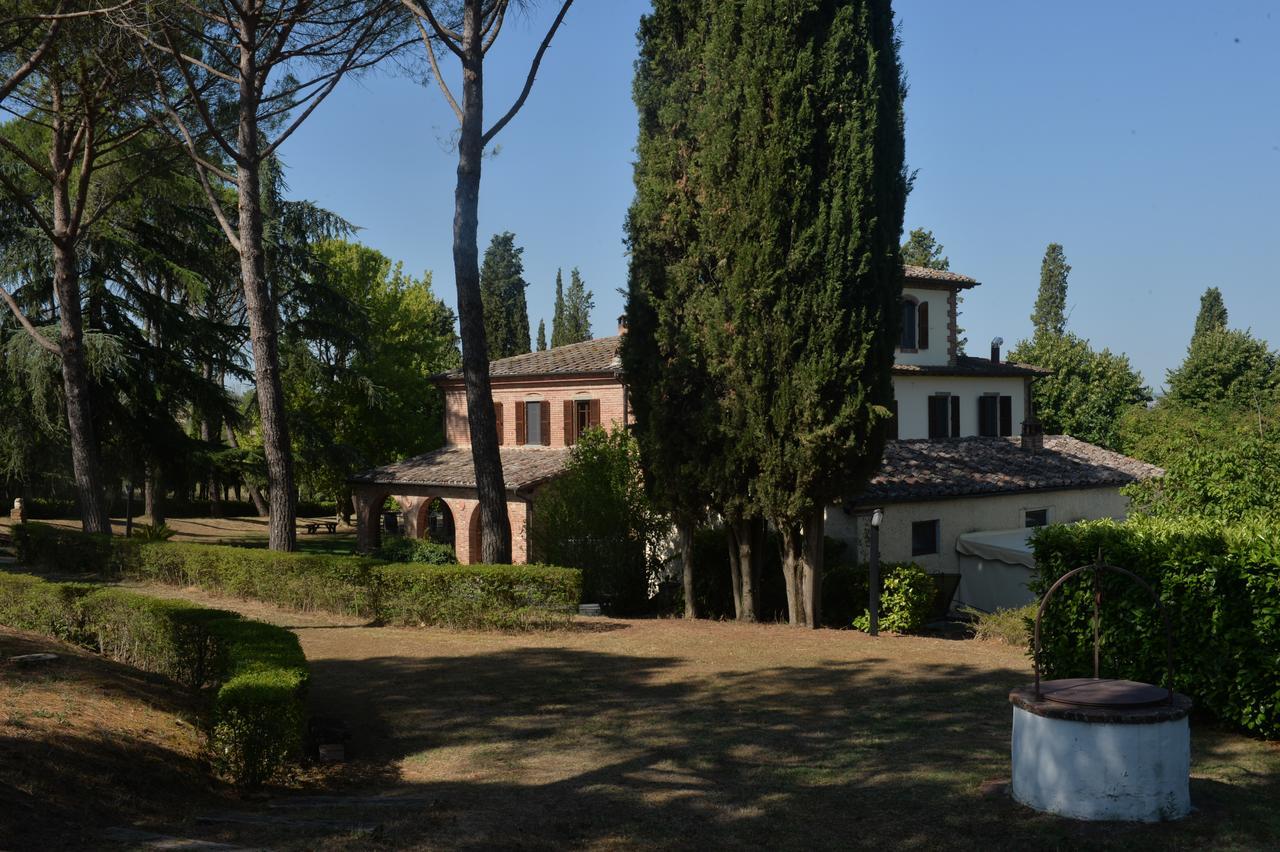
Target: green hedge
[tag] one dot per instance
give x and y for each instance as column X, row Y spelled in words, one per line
column 254, row 675
column 508, row 597
column 416, row 550
column 1220, row 586
column 42, row 547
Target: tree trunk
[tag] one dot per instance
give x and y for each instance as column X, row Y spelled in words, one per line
column 793, row 573
column 261, row 310
column 750, row 537
column 208, row 433
column 814, row 531
column 346, row 506
column 259, row 502
column 75, row 377
column 684, row 530
column 495, row 526
column 153, row 495
column 735, row 565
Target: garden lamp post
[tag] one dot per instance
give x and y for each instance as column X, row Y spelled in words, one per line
column 876, row 517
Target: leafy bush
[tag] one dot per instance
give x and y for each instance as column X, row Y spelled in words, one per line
column 253, row 675
column 596, row 517
column 41, row 547
column 153, row 532
column 417, row 550
column 479, row 596
column 1010, row 626
column 906, row 599
column 298, row 581
column 1219, row 585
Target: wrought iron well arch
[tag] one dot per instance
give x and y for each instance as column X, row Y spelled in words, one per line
column 1097, row 568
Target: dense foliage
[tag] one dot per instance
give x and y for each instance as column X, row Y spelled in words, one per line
column 252, row 676
column 923, row 249
column 906, row 600
column 502, row 286
column 1219, row 585
column 1049, row 316
column 571, row 322
column 597, row 517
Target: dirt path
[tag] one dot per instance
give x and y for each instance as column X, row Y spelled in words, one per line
column 665, row 734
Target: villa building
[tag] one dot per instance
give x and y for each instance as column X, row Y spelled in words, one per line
column 966, row 474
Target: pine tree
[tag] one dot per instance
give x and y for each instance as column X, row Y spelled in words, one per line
column 542, row 335
column 502, row 285
column 921, row 249
column 1213, row 314
column 1049, row 317
column 803, row 186
column 578, row 304
column 558, row 329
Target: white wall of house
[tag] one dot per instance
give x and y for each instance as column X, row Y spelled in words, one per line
column 913, row 392
column 939, row 315
column 966, row 514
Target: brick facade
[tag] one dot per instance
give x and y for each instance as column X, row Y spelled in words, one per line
column 553, row 390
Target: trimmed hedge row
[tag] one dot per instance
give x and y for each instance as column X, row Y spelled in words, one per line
column 253, row 675
column 509, row 597
column 1220, row 587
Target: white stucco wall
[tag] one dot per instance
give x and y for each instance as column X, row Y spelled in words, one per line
column 966, row 514
column 1098, row 771
column 913, row 392
column 938, row 321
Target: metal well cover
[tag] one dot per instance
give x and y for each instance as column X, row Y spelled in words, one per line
column 1103, row 692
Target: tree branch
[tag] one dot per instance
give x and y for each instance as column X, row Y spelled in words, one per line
column 528, row 83
column 451, row 38
column 44, row 342
column 435, row 69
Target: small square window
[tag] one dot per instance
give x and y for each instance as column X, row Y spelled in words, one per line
column 1036, row 517
column 924, row 538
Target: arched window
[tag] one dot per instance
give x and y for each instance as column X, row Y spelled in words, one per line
column 909, row 319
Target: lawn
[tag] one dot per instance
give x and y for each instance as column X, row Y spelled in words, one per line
column 247, row 531
column 664, row 734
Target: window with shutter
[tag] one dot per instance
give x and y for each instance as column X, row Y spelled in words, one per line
column 922, row 330
column 1006, row 416
column 908, row 340
column 987, row 415
column 497, row 416
column 544, row 410
column 955, row 417
column 570, row 433
column 522, row 436
column 533, row 422
column 938, row 419
column 893, row 421
column 593, row 411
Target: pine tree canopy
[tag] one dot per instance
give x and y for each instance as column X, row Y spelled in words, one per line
column 502, row 286
column 1049, row 317
column 921, row 249
column 542, row 335
column 1226, row 367
column 558, row 328
column 578, row 304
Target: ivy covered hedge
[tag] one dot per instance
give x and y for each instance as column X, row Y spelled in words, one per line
column 252, row 676
column 1220, row 586
column 509, row 597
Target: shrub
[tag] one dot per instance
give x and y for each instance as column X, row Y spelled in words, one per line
column 417, row 550
column 153, row 532
column 1219, row 586
column 905, row 602
column 1010, row 626
column 506, row 597
column 41, row 547
column 298, row 581
column 253, row 675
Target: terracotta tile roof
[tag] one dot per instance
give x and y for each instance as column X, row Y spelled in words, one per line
column 961, row 467
column 599, row 356
column 967, row 365
column 452, row 467
column 945, row 276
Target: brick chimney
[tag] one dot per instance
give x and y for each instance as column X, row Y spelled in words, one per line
column 622, row 325
column 996, row 343
column 1032, row 436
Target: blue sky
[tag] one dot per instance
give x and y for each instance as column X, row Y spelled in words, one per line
column 1144, row 136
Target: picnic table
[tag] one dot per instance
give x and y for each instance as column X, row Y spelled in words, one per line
column 313, row 527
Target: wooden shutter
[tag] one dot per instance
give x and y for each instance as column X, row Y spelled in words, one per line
column 497, row 416
column 937, row 417
column 955, row 417
column 593, row 412
column 545, row 410
column 922, row 327
column 893, row 421
column 569, row 424
column 987, row 416
column 522, row 434
column 1006, row 415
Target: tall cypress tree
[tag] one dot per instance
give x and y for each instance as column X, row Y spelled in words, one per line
column 558, row 329
column 803, row 191
column 542, row 335
column 669, row 388
column 1049, row 317
column 578, row 304
column 502, row 285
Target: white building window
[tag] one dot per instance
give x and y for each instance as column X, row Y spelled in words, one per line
column 1035, row 518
